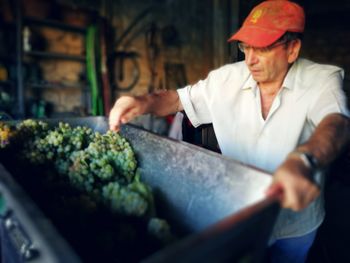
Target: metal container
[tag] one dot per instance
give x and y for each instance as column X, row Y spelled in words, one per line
column 218, row 203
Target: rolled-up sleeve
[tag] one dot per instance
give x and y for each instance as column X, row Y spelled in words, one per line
column 195, row 103
column 330, row 99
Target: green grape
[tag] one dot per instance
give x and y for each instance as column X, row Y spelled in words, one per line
column 5, row 134
column 101, row 164
column 91, row 170
column 123, row 200
column 160, row 229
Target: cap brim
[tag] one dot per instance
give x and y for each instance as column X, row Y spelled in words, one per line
column 256, row 36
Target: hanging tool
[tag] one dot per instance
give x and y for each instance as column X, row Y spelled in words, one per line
column 152, row 54
column 122, row 56
column 92, row 71
column 120, row 60
column 104, row 70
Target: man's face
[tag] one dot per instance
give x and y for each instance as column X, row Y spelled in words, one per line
column 270, row 65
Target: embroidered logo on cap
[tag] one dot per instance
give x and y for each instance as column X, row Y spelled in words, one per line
column 256, row 15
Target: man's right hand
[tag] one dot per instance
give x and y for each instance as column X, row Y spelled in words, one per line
column 161, row 103
column 127, row 108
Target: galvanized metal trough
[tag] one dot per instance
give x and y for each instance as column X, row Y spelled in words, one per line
column 217, row 203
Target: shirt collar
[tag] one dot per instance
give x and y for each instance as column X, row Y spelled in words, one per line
column 288, row 81
column 250, row 84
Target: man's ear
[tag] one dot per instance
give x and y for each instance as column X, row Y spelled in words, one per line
column 293, row 50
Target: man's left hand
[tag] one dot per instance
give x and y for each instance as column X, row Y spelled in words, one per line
column 293, row 178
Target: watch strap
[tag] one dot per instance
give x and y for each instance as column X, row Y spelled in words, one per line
column 308, row 159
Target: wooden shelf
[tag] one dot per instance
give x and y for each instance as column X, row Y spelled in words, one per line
column 58, row 85
column 54, row 55
column 7, row 57
column 6, row 83
column 53, row 24
column 21, row 56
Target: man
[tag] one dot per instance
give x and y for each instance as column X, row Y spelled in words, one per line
column 275, row 111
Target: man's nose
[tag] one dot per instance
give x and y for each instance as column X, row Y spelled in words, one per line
column 251, row 57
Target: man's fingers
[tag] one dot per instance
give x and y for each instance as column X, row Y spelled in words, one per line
column 313, row 193
column 113, row 126
column 129, row 115
column 121, row 117
column 124, row 110
column 274, row 189
column 114, row 120
column 291, row 199
column 298, row 189
column 299, row 198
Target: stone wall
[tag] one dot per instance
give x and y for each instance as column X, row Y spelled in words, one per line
column 170, row 42
column 182, row 40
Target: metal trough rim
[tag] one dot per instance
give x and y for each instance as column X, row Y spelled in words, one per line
column 193, row 248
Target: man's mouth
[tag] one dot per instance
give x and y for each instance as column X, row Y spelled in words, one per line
column 254, row 71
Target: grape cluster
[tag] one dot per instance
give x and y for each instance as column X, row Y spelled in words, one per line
column 132, row 199
column 91, row 162
column 5, row 135
column 28, row 132
column 31, row 128
column 160, row 229
column 16, row 135
column 56, row 144
column 124, row 200
column 101, row 167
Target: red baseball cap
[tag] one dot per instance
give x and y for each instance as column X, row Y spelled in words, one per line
column 268, row 21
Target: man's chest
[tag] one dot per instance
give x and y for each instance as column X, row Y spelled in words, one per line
column 245, row 135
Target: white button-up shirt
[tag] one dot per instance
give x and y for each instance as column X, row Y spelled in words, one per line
column 229, row 98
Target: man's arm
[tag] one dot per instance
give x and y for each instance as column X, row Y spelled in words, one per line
column 126, row 108
column 293, row 177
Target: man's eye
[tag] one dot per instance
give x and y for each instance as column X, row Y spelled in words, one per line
column 264, row 50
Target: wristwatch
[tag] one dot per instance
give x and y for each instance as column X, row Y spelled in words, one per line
column 308, row 159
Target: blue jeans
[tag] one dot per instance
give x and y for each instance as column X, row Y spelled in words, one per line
column 291, row 250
